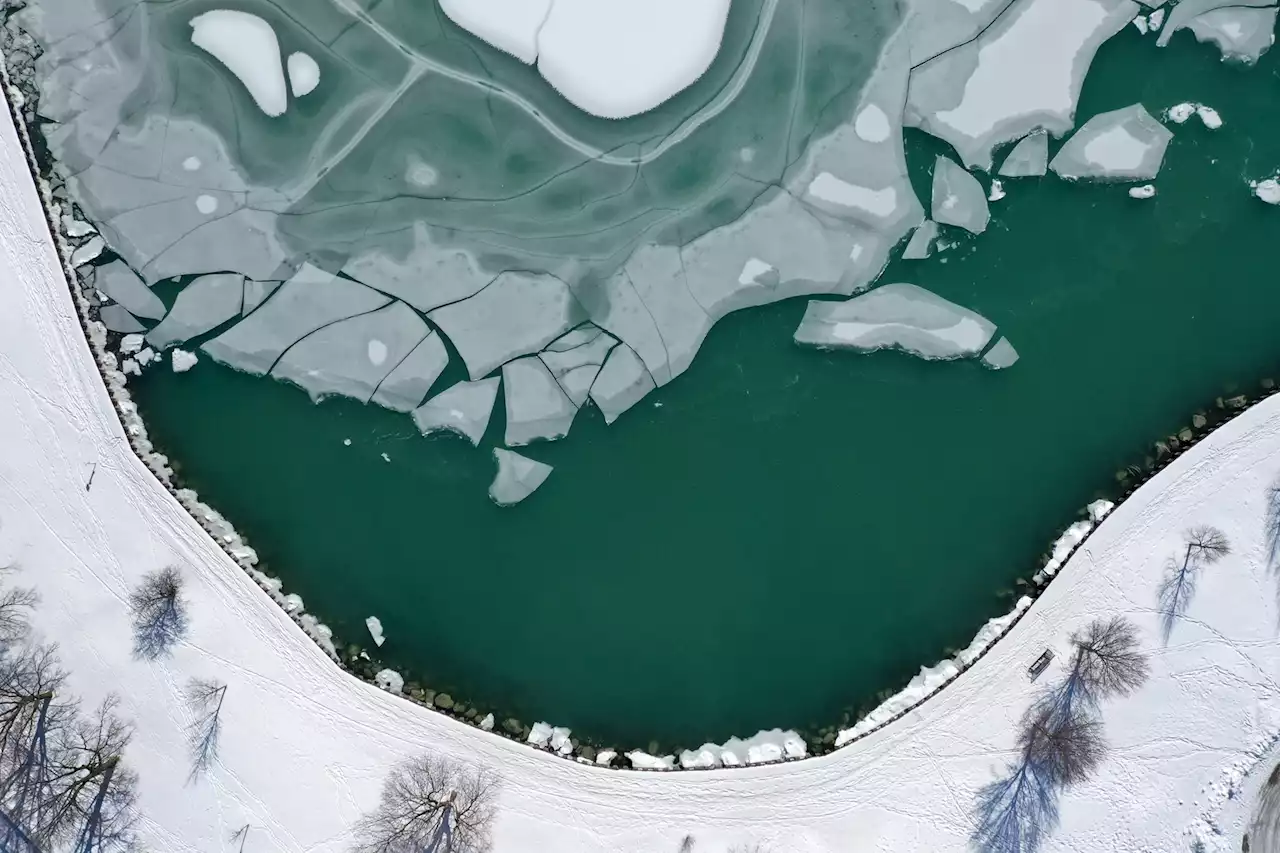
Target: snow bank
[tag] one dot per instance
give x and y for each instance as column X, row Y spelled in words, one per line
column 248, row 47
column 773, row 745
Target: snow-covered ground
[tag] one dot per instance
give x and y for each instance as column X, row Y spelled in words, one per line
column 306, row 747
column 610, row 58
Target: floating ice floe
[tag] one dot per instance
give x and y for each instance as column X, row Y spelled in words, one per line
column 117, row 319
column 182, row 360
column 374, row 624
column 997, row 190
column 1267, row 190
column 621, row 383
column 517, row 477
column 575, row 360
column 463, row 408
column 896, row 316
column 537, row 407
column 1142, row 192
column 1241, row 33
column 405, row 387
column 1179, row 113
column 308, row 301
column 1029, row 158
column 921, row 242
column 1186, row 11
column 89, row 251
column 351, row 357
column 1124, row 144
column 119, row 282
column 304, row 74
column 1022, row 73
column 247, row 45
column 958, row 198
column 517, row 314
column 1001, row 355
column 1209, row 117
column 201, row 306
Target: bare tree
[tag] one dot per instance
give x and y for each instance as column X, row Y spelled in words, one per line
column 204, row 699
column 1105, row 662
column 1066, row 748
column 32, row 719
column 1271, row 526
column 159, row 614
column 432, row 804
column 686, row 846
column 15, row 606
column 1204, row 546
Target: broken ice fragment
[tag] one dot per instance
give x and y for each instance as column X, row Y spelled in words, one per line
column 896, row 316
column 308, row 301
column 1140, row 23
column 117, row 319
column 463, row 409
column 1209, row 116
column 517, row 314
column 1240, row 32
column 1179, row 113
column 404, row 387
column 517, row 478
column 1267, row 190
column 1144, row 191
column 183, row 360
column 304, row 74
column 1156, row 18
column 1185, row 11
column 487, row 723
column 88, row 252
column 537, row 408
column 997, row 190
column 350, row 357
column 204, row 304
column 121, row 284
column 374, row 624
column 958, row 198
column 575, row 338
column 920, row 244
column 576, row 368
column 255, row 293
column 247, row 45
column 75, row 228
column 1124, row 144
column 621, row 383
column 1001, row 355
column 1029, row 158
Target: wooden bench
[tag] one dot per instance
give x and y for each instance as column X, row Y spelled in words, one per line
column 1041, row 664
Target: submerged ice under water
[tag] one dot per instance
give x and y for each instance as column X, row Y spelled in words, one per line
column 420, row 195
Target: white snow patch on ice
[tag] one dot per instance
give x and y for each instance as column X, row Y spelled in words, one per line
column 182, row 360
column 377, row 351
column 374, row 624
column 191, row 164
column 206, row 204
column 1115, row 149
column 872, row 125
column 829, row 188
column 247, row 45
column 752, row 270
column 304, row 73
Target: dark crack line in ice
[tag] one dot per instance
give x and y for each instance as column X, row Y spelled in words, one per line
column 979, row 34
column 289, row 348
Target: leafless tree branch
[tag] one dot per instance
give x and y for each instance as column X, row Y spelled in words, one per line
column 159, row 614
column 432, row 804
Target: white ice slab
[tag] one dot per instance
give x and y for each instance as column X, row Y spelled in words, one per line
column 404, row 388
column 119, row 282
column 896, row 316
column 1124, row 144
column 622, row 382
column 1001, row 355
column 1029, row 158
column 921, row 243
column 517, row 478
column 537, row 407
column 463, row 408
column 203, row 305
column 958, row 198
column 117, row 319
column 247, row 45
column 1186, row 11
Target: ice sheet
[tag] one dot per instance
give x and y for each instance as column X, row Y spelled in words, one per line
column 517, row 478
column 1029, row 158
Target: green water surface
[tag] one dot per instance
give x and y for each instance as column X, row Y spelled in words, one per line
column 781, row 533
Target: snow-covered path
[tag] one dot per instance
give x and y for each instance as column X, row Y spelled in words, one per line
column 305, row 747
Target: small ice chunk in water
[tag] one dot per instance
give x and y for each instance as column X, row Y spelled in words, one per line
column 404, row 387
column 1267, row 190
column 517, row 478
column 1124, row 144
column 1140, row 23
column 516, row 314
column 92, row 247
column 1209, row 116
column 622, row 382
column 537, row 408
column 351, row 357
column 1144, row 191
column 304, row 74
column 121, row 284
column 374, row 624
column 921, row 242
column 1001, row 355
column 958, row 198
column 117, row 319
column 131, row 344
column 1179, row 113
column 487, row 723
column 247, row 45
column 310, row 300
column 182, row 360
column 204, row 304
column 896, row 316
column 539, row 734
column 464, row 409
column 1029, row 158
column 1156, row 19
column 1240, row 32
column 997, row 190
